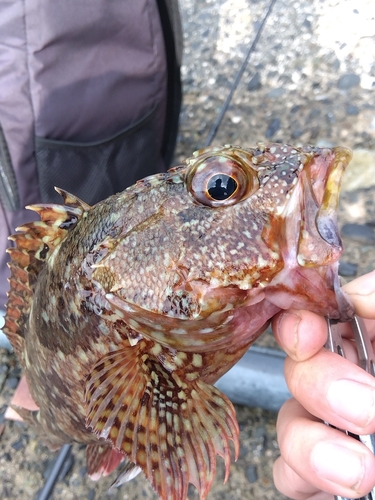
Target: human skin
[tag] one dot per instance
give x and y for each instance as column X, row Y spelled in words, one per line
column 318, row 461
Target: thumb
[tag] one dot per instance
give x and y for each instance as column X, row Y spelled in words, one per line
column 362, row 294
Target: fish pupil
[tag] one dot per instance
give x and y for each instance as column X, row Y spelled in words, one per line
column 221, row 186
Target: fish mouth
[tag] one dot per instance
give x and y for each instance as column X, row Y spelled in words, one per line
column 326, row 218
column 327, row 227
column 319, row 239
column 315, row 279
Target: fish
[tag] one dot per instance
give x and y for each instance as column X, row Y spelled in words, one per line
column 124, row 314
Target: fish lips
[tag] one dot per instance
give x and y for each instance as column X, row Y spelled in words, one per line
column 319, row 238
column 320, row 244
column 326, row 220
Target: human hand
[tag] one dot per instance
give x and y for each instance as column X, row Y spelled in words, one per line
column 318, row 461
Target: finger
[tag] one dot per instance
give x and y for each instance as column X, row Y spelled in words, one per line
column 334, row 389
column 293, row 486
column 362, row 294
column 290, row 484
column 322, row 456
column 301, row 334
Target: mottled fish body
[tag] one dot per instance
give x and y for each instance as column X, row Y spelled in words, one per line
column 124, row 314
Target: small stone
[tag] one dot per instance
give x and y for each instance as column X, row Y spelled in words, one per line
column 259, row 432
column 335, row 64
column 15, row 372
column 314, row 113
column 348, row 269
column 295, row 108
column 330, row 116
column 252, row 474
column 314, row 132
column 18, row 445
column 348, row 81
column 244, row 451
column 11, row 382
column 307, row 23
column 83, row 471
column 75, row 482
column 352, row 110
column 323, row 99
column 367, row 82
column 236, row 119
column 359, row 232
column 278, row 92
column 242, row 425
column 273, row 127
column 254, row 83
column 7, row 457
column 91, row 495
column 297, row 133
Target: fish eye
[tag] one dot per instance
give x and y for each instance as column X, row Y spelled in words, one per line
column 218, row 180
column 221, row 186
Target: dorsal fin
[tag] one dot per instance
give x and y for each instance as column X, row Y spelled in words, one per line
column 72, row 201
column 34, row 243
column 169, row 423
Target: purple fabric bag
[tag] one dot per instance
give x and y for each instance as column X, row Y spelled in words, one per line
column 89, row 101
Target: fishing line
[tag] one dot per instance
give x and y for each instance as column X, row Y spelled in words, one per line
column 63, row 455
column 234, row 86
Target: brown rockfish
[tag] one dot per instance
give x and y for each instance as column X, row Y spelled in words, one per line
column 125, row 313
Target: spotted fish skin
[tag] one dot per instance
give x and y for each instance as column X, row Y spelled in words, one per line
column 123, row 314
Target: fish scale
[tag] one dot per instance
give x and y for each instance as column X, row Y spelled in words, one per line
column 124, row 314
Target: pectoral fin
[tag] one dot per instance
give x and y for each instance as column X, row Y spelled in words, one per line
column 171, row 428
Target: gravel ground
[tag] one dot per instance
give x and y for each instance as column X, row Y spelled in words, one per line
column 310, row 80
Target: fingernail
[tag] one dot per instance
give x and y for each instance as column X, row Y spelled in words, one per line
column 353, row 401
column 338, row 464
column 288, row 331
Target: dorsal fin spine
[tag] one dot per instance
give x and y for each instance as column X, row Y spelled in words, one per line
column 72, row 201
column 34, row 243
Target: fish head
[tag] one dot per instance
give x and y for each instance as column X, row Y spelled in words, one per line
column 233, row 233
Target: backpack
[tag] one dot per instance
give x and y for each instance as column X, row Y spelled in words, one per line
column 90, row 96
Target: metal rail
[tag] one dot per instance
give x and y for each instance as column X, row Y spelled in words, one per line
column 366, row 361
